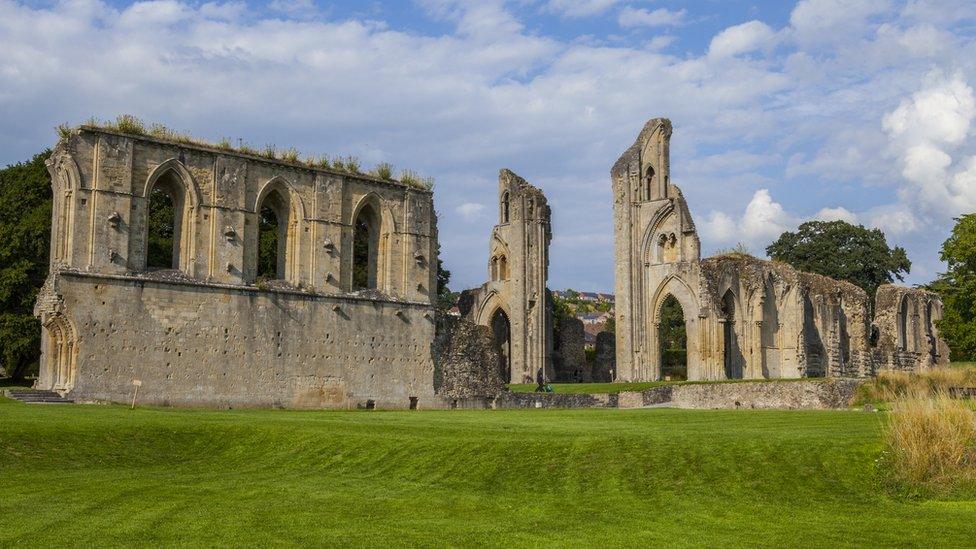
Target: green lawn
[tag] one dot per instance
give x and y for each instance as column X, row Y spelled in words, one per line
column 109, row 476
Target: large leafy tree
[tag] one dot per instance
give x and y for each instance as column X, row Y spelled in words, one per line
column 958, row 289
column 843, row 251
column 25, row 236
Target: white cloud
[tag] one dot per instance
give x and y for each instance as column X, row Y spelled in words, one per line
column 839, row 213
column 826, row 21
column 939, row 114
column 661, row 17
column 580, row 8
column 762, row 222
column 740, row 39
column 470, row 211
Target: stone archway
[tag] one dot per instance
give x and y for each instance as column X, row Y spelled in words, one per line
column 501, row 329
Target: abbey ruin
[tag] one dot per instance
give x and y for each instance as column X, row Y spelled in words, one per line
column 343, row 316
column 514, row 302
column 745, row 318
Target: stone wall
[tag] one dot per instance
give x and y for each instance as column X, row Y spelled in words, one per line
column 783, row 395
column 467, row 367
column 604, row 361
column 905, row 329
column 223, row 346
column 206, row 330
column 569, row 355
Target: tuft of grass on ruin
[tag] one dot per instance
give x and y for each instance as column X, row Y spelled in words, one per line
column 132, row 125
column 108, row 476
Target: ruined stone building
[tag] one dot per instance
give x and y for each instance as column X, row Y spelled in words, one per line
column 745, row 318
column 514, row 301
column 341, row 318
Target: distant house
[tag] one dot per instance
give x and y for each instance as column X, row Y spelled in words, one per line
column 594, row 318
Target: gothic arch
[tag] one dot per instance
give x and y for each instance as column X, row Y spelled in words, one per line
column 672, row 285
column 385, row 227
column 185, row 195
column 60, row 353
column 65, row 183
column 290, row 213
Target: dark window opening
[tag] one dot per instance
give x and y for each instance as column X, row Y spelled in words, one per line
column 161, row 242
column 672, row 336
column 365, row 249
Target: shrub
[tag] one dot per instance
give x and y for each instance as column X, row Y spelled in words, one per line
column 351, row 165
column 383, row 170
column 270, row 151
column 930, row 445
column 126, row 123
column 290, row 155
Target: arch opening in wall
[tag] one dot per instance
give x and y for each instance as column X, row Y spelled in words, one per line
column 274, row 219
column 930, row 338
column 769, row 333
column 673, row 340
column 734, row 363
column 903, row 324
column 505, row 207
column 365, row 253
column 501, row 330
column 60, row 352
column 165, row 224
column 648, row 183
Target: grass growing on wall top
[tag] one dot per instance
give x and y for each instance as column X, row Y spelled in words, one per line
column 110, row 476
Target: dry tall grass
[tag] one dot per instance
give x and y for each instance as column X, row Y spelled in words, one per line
column 889, row 386
column 930, row 444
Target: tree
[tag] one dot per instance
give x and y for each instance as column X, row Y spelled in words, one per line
column 25, row 237
column 843, row 251
column 445, row 297
column 957, row 287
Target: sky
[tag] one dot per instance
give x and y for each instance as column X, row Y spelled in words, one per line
column 861, row 110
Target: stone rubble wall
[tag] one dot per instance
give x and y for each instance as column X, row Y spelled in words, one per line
column 604, row 362
column 466, row 363
column 569, row 356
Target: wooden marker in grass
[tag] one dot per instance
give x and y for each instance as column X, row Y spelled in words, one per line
column 137, row 383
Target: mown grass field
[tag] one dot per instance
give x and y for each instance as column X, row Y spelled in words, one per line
column 110, row 476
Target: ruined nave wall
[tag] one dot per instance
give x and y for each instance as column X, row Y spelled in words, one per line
column 211, row 345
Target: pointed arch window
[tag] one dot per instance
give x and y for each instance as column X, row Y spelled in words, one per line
column 167, row 241
column 274, row 220
column 505, row 207
column 366, row 239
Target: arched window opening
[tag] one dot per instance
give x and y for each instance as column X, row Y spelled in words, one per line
column 60, row 355
column 273, row 219
column 903, row 324
column 502, row 268
column 930, row 331
column 365, row 249
column 164, row 222
column 770, row 332
column 501, row 335
column 648, row 183
column 672, row 335
column 733, row 357
column 505, row 207
column 493, row 268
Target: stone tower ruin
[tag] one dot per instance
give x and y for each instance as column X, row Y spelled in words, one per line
column 514, row 302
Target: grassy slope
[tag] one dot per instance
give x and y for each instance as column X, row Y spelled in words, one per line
column 105, row 475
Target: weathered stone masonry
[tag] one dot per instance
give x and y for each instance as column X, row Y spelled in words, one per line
column 514, row 301
column 745, row 318
column 204, row 333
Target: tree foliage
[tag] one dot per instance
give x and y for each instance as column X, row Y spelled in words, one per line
column 957, row 287
column 267, row 244
column 25, row 236
column 673, row 338
column 159, row 253
column 843, row 251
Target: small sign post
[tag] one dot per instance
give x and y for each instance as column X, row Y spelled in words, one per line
column 136, row 383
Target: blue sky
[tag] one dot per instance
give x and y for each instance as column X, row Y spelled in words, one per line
column 783, row 112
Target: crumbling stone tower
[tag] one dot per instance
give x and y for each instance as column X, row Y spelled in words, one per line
column 514, row 300
column 657, row 250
